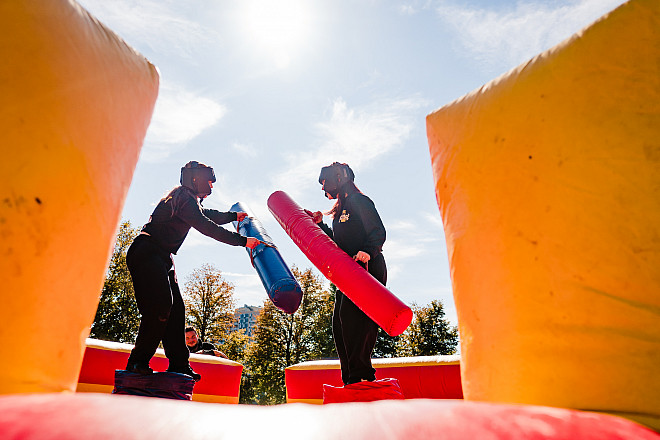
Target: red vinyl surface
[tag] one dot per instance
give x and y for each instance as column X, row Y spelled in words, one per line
column 111, row 416
column 219, row 377
column 429, row 377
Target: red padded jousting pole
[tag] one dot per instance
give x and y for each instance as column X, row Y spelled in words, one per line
column 374, row 299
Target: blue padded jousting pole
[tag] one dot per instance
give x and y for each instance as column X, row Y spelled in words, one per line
column 280, row 284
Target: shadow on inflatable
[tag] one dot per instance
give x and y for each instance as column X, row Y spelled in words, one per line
column 547, row 179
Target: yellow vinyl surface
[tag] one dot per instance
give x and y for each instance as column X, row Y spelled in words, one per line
column 548, row 182
column 75, row 104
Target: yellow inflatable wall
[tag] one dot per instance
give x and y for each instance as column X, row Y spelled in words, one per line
column 548, row 182
column 75, row 105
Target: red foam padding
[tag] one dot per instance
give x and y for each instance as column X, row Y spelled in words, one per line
column 106, row 416
column 374, row 299
column 382, row 389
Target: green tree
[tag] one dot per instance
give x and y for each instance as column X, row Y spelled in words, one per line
column 237, row 346
column 209, row 303
column 386, row 346
column 429, row 333
column 266, row 358
column 281, row 340
column 321, row 339
column 117, row 317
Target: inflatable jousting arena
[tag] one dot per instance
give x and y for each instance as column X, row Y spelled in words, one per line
column 548, row 182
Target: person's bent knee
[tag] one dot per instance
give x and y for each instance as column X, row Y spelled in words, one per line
column 164, row 314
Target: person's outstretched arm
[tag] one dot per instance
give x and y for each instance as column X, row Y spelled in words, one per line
column 317, row 217
column 191, row 212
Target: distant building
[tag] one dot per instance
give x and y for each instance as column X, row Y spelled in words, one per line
column 245, row 318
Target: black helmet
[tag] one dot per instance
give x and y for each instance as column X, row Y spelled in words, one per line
column 196, row 176
column 335, row 176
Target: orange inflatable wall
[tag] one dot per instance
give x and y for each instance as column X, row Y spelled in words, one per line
column 76, row 102
column 548, row 182
column 420, row 377
column 221, row 378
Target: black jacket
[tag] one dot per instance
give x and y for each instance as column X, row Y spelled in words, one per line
column 201, row 346
column 178, row 212
column 357, row 227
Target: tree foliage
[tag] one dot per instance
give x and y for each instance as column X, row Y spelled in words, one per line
column 238, row 346
column 117, row 317
column 321, row 339
column 210, row 308
column 386, row 346
column 429, row 333
column 266, row 357
column 209, row 303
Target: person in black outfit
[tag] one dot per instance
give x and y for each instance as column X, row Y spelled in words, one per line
column 358, row 230
column 196, row 345
column 151, row 265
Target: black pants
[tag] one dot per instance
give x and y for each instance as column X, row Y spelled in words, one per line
column 159, row 301
column 355, row 333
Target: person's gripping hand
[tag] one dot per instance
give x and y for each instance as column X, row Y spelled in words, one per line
column 240, row 216
column 252, row 242
column 317, row 216
column 362, row 257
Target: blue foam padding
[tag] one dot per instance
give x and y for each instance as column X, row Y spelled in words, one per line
column 280, row 284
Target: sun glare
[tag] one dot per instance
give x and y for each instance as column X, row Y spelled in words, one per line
column 277, row 29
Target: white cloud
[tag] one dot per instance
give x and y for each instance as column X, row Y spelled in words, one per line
column 356, row 136
column 156, row 24
column 248, row 288
column 416, row 237
column 401, row 225
column 434, row 219
column 245, row 278
column 195, row 239
column 178, row 118
column 412, row 7
column 364, row 134
column 244, row 149
column 506, row 38
column 393, row 270
column 397, row 250
column 407, row 9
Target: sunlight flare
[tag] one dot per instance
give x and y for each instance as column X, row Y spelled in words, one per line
column 277, row 29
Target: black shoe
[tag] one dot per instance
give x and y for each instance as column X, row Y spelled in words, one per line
column 139, row 368
column 187, row 370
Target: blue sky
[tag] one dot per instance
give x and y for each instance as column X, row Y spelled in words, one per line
column 268, row 92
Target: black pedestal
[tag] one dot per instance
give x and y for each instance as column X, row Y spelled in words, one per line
column 166, row 385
